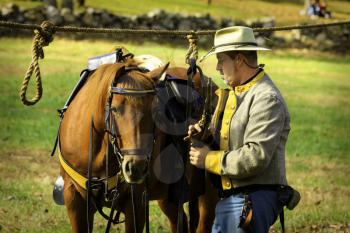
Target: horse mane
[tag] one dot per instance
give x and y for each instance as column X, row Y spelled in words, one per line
column 136, row 81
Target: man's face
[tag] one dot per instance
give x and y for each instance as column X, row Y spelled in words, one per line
column 226, row 67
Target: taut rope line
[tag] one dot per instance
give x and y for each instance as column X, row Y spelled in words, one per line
column 44, row 35
column 13, row 25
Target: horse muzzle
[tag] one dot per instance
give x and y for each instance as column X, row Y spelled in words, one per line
column 135, row 168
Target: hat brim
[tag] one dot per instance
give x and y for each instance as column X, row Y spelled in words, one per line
column 233, row 48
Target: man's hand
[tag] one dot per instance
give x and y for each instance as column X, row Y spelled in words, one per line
column 198, row 152
column 192, row 131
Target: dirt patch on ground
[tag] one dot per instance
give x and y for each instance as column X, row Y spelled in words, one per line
column 37, row 166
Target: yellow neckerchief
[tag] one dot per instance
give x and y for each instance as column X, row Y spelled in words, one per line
column 80, row 179
column 229, row 111
column 245, row 87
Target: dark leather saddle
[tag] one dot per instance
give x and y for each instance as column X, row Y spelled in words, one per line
column 177, row 103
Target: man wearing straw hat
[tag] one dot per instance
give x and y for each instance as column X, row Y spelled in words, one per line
column 250, row 126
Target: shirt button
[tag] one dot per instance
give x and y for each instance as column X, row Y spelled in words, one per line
column 225, row 137
column 232, row 107
column 227, row 122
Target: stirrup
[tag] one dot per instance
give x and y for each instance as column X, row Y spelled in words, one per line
column 57, row 193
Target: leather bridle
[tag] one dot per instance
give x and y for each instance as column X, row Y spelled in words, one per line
column 111, row 127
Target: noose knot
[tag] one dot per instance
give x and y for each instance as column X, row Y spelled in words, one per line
column 43, row 37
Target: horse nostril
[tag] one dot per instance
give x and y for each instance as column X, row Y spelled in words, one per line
column 128, row 167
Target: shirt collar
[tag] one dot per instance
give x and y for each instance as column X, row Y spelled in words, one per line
column 250, row 82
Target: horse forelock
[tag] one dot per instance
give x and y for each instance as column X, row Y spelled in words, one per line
column 135, row 80
column 103, row 78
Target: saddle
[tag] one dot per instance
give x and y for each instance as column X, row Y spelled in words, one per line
column 173, row 104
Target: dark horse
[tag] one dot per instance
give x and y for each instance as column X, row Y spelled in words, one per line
column 110, row 124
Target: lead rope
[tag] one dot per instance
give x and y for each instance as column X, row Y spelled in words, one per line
column 145, row 196
column 113, row 207
column 133, row 207
column 190, row 58
column 88, row 182
column 43, row 37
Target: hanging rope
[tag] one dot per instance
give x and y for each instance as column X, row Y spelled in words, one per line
column 43, row 37
column 192, row 52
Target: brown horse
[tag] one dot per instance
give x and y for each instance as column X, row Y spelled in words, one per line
column 131, row 118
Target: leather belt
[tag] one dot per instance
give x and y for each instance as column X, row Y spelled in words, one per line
column 248, row 189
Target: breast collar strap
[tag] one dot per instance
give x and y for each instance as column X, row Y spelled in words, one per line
column 80, row 179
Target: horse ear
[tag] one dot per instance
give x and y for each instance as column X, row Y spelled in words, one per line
column 157, row 73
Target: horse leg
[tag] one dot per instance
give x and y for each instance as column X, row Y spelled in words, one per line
column 171, row 211
column 76, row 208
column 139, row 209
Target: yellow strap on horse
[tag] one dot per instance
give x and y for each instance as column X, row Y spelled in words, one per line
column 80, row 179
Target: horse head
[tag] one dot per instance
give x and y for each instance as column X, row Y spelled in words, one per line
column 130, row 110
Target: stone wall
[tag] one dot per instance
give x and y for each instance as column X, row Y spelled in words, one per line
column 332, row 38
column 99, row 18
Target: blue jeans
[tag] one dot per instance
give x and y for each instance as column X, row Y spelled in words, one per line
column 228, row 210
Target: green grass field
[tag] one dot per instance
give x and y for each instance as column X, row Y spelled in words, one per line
column 315, row 85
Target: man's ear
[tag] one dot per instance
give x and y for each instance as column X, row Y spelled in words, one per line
column 157, row 73
column 239, row 59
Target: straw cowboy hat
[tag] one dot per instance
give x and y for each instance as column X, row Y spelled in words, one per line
column 237, row 38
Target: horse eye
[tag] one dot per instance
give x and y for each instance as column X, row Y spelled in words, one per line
column 116, row 111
